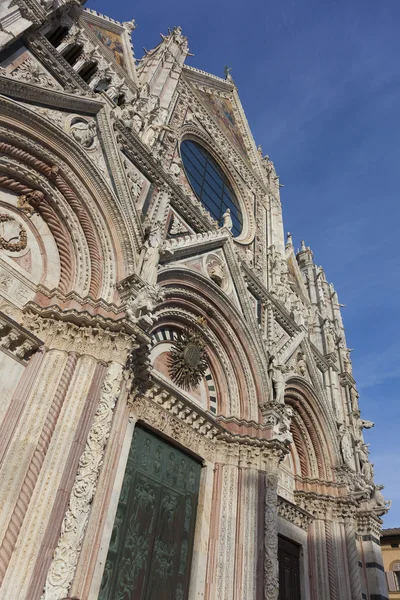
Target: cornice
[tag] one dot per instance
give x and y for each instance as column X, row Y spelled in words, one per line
column 194, row 418
column 72, row 331
column 16, row 341
column 319, row 358
column 50, row 98
column 294, row 514
column 199, row 76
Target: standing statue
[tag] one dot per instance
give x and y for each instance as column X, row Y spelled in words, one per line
column 152, row 254
column 347, row 361
column 330, row 340
column 277, row 381
column 346, row 446
column 227, row 220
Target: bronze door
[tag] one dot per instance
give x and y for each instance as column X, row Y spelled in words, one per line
column 289, row 571
column 150, row 550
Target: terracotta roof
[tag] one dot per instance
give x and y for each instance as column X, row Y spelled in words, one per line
column 392, row 531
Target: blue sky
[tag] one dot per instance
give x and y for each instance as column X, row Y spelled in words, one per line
column 320, row 84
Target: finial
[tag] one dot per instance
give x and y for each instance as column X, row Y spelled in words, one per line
column 129, row 25
column 303, row 246
column 289, row 241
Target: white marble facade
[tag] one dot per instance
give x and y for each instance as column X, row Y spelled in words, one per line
column 107, row 259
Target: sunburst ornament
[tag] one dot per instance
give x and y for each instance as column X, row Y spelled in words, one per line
column 188, row 360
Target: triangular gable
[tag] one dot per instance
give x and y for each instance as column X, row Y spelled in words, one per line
column 221, row 101
column 221, row 110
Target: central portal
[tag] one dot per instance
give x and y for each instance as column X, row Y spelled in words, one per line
column 150, row 551
column 289, row 571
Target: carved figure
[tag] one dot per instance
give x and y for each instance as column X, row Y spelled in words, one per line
column 366, row 467
column 28, row 203
column 378, row 502
column 269, row 167
column 330, row 340
column 23, row 349
column 301, row 363
column 84, row 132
column 216, row 271
column 152, row 254
column 277, row 379
column 227, row 220
column 141, row 308
column 347, row 362
column 346, row 446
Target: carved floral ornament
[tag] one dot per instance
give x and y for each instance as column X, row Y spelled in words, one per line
column 13, row 236
column 188, row 360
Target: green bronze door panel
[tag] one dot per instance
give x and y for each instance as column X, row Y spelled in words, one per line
column 151, row 545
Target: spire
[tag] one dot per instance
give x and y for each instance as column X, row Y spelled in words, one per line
column 159, row 69
column 304, row 255
column 289, row 241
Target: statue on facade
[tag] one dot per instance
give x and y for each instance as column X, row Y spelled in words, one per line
column 152, row 253
column 227, row 220
column 378, row 502
column 277, row 380
column 84, row 132
column 140, row 309
column 330, row 339
column 346, row 446
column 366, row 467
column 301, row 363
column 347, row 362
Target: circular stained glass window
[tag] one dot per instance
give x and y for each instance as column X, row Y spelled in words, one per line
column 210, row 184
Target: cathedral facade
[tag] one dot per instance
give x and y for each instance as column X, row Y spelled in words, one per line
column 179, row 418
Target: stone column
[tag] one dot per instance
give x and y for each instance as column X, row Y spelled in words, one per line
column 332, row 562
column 60, row 426
column 220, row 583
column 320, row 582
column 271, row 566
column 369, row 530
column 352, row 559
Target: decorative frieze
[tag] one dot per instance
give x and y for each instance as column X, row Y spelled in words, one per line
column 16, row 340
column 293, row 513
column 104, row 339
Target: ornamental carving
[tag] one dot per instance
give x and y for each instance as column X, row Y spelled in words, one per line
column 30, row 72
column 84, row 132
column 13, row 236
column 188, row 360
column 73, row 529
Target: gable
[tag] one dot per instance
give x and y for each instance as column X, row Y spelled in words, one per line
column 221, row 110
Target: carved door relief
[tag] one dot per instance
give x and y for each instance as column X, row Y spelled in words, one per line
column 289, row 570
column 151, row 545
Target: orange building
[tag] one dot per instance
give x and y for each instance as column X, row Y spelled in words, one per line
column 390, row 543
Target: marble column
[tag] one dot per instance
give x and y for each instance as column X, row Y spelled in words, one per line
column 352, row 558
column 271, row 566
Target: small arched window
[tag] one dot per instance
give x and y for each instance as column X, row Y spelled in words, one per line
column 87, row 71
column 72, row 53
column 56, row 36
column 210, row 184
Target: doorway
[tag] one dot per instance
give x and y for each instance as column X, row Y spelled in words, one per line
column 289, row 569
column 151, row 545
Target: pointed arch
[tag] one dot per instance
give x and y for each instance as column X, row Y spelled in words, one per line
column 234, row 357
column 313, row 435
